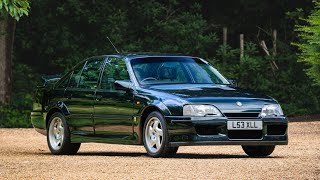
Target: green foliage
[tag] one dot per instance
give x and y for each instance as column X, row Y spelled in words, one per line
column 17, row 114
column 15, row 8
column 169, row 28
column 310, row 46
column 289, row 85
column 64, row 33
column 12, row 116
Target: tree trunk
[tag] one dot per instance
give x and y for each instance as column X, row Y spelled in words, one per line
column 241, row 47
column 225, row 38
column 7, row 28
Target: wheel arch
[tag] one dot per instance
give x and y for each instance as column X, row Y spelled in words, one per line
column 59, row 107
column 49, row 114
column 161, row 108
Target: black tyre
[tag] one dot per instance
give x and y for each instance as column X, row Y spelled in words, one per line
column 258, row 151
column 172, row 151
column 58, row 136
column 155, row 136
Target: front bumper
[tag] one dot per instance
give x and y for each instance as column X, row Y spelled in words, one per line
column 186, row 131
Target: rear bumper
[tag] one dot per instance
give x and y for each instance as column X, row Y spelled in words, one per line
column 38, row 121
column 188, row 131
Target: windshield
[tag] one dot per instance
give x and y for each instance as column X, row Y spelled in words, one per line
column 175, row 70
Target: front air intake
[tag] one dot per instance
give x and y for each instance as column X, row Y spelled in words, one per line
column 207, row 130
column 245, row 134
column 241, row 115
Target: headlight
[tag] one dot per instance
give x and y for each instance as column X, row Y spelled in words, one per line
column 271, row 110
column 201, row 110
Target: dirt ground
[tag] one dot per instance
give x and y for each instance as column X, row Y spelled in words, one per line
column 24, row 155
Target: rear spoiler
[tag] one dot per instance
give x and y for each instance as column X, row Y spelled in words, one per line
column 49, row 79
column 41, row 93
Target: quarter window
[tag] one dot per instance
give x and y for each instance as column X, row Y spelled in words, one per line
column 75, row 77
column 64, row 83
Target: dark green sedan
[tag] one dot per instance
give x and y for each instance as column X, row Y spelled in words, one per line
column 160, row 101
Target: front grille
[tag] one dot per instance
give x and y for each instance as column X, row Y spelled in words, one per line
column 245, row 134
column 276, row 129
column 207, row 130
column 241, row 115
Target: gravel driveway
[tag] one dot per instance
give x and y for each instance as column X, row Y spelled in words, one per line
column 24, row 154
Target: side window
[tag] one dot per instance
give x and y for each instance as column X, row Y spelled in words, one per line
column 90, row 74
column 64, row 83
column 75, row 77
column 115, row 69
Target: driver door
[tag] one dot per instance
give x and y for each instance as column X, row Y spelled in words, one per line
column 113, row 106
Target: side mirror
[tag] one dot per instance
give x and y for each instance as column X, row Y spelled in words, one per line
column 122, row 85
column 233, row 83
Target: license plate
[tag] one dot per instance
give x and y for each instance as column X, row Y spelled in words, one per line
column 244, row 125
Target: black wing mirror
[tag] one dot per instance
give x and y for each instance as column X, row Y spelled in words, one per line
column 233, row 83
column 122, row 85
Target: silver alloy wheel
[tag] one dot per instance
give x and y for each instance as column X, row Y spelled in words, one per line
column 153, row 135
column 56, row 133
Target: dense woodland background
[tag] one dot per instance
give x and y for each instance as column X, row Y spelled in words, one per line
column 58, row 34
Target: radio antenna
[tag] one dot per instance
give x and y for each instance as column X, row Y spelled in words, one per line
column 112, row 44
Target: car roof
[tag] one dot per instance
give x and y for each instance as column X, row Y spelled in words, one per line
column 130, row 56
column 135, row 55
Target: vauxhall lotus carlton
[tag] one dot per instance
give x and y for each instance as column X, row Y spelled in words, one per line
column 159, row 101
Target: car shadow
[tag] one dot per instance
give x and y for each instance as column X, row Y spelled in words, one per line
column 176, row 156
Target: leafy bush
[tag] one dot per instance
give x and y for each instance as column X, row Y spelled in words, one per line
column 17, row 113
column 14, row 116
column 289, row 84
column 310, row 45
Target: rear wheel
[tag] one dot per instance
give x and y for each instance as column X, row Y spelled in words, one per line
column 58, row 136
column 258, row 151
column 155, row 136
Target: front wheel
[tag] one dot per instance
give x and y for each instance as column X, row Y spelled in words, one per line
column 155, row 136
column 258, row 151
column 58, row 136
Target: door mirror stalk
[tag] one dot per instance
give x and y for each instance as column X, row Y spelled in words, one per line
column 123, row 85
column 233, row 83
